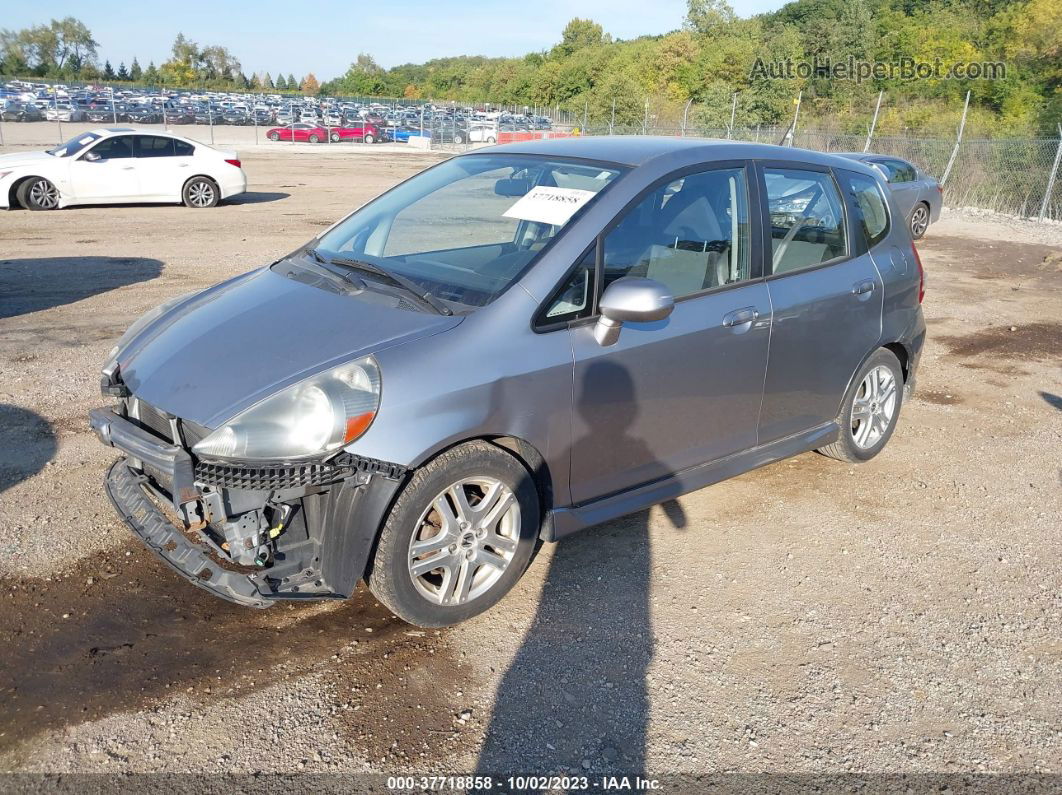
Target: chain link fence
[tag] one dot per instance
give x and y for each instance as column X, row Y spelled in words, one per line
column 1013, row 176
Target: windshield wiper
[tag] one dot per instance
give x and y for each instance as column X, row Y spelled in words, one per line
column 406, row 284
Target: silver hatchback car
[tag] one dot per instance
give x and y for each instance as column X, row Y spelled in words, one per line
column 513, row 345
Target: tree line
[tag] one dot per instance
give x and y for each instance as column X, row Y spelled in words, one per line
column 65, row 50
column 711, row 57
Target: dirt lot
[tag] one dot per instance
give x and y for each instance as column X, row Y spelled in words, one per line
column 808, row 617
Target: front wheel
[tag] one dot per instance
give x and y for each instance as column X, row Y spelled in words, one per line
column 273, row 136
column 334, row 137
column 370, row 138
column 870, row 410
column 919, row 221
column 314, row 139
column 200, row 193
column 492, row 140
column 37, row 193
column 458, row 538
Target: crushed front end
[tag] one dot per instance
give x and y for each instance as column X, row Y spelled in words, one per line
column 251, row 533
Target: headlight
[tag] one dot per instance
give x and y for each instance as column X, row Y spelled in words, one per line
column 311, row 418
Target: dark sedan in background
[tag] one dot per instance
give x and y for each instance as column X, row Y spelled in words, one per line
column 918, row 195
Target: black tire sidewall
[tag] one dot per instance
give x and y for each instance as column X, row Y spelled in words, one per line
column 22, row 194
column 879, row 358
column 193, row 181
column 389, row 577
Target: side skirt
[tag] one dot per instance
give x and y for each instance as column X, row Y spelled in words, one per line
column 561, row 522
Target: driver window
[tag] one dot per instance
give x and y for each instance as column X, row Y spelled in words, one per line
column 691, row 234
column 807, row 220
column 114, row 148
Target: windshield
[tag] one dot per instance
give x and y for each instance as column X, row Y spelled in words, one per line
column 466, row 229
column 74, row 145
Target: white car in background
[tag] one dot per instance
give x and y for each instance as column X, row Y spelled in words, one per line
column 119, row 166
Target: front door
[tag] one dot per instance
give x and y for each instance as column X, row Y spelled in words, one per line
column 826, row 299
column 683, row 391
column 111, row 176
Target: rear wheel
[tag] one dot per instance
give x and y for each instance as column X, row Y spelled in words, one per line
column 200, row 193
column 370, row 138
column 492, row 140
column 919, row 220
column 37, row 193
column 458, row 538
column 334, row 138
column 870, row 410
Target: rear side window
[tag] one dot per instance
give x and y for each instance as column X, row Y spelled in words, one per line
column 899, row 171
column 872, row 219
column 807, row 219
column 153, row 146
column 183, row 149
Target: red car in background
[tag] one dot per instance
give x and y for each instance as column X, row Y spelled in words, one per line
column 299, row 131
column 365, row 131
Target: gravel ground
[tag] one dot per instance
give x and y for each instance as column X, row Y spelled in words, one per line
column 900, row 616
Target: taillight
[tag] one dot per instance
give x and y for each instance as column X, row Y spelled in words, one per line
column 921, row 274
column 233, row 163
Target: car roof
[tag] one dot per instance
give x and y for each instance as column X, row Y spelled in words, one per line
column 641, row 150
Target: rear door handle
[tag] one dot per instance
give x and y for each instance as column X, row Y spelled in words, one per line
column 127, row 168
column 865, row 286
column 740, row 317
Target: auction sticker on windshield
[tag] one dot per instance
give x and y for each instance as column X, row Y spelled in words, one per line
column 549, row 205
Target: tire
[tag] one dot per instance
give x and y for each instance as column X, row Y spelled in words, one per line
column 919, row 221
column 334, row 138
column 199, row 193
column 370, row 139
column 434, row 598
column 274, row 136
column 313, row 139
column 37, row 193
column 863, row 438
column 492, row 140
column 459, row 139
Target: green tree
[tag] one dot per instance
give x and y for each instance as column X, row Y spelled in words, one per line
column 108, row 72
column 135, row 72
column 122, row 73
column 281, row 84
column 151, row 74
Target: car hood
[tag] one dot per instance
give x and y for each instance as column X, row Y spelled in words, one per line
column 17, row 159
column 220, row 352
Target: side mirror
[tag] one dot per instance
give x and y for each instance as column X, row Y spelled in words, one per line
column 92, row 157
column 630, row 300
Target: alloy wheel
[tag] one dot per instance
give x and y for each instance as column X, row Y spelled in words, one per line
column 873, row 407
column 201, row 194
column 919, row 221
column 44, row 194
column 464, row 541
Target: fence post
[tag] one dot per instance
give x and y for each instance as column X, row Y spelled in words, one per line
column 645, row 118
column 1050, row 179
column 55, row 107
column 612, row 122
column 733, row 114
column 958, row 140
column 796, row 116
column 873, row 123
column 685, row 114
column 586, row 107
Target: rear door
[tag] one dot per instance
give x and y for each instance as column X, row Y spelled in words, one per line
column 826, row 296
column 162, row 171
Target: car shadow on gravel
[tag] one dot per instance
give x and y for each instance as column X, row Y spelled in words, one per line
column 575, row 698
column 257, row 197
column 35, row 284
column 27, row 444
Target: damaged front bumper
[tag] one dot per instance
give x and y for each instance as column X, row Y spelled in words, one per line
column 318, row 521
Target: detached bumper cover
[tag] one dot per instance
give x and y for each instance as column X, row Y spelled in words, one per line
column 188, row 559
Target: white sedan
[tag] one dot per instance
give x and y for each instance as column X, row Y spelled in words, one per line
column 117, row 166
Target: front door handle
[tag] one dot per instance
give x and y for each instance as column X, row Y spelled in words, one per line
column 863, row 287
column 739, row 317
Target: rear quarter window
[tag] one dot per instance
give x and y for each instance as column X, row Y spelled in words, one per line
column 872, row 213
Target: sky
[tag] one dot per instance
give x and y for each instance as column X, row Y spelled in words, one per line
column 324, row 36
